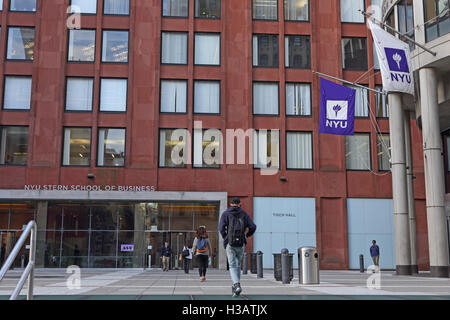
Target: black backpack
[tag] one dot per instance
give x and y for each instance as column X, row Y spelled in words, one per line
column 236, row 231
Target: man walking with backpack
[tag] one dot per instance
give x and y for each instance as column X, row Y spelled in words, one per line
column 233, row 223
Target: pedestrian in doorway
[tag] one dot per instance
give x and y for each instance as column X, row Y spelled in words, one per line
column 76, row 256
column 375, row 253
column 2, row 253
column 187, row 256
column 202, row 249
column 232, row 226
column 166, row 252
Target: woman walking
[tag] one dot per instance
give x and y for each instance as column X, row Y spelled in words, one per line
column 202, row 248
column 187, row 256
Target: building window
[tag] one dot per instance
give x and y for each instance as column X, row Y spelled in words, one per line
column 116, row 7
column 77, row 147
column 357, row 152
column 381, row 103
column 113, row 95
column 361, row 102
column 383, row 151
column 175, row 8
column 298, row 99
column 299, row 150
column 20, row 43
column 265, row 98
column 437, row 18
column 349, row 11
column 17, row 93
column 79, row 94
column 209, row 9
column 448, row 152
column 376, row 9
column 207, row 148
column 207, row 49
column 265, row 50
column 406, row 20
column 1, row 5
column 23, row 5
column 111, row 147
column 207, row 97
column 115, row 46
column 173, row 96
column 297, row 52
column 265, row 9
column 174, row 48
column 13, row 145
column 173, row 144
column 376, row 62
column 354, row 53
column 81, row 46
column 85, row 6
column 296, row 10
column 266, row 149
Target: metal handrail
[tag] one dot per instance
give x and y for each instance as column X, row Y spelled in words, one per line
column 30, row 230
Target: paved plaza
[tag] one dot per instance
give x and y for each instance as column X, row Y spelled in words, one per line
column 138, row 284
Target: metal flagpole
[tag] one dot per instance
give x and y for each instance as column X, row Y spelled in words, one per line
column 349, row 82
column 399, row 33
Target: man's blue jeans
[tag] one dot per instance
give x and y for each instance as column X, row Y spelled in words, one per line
column 234, row 255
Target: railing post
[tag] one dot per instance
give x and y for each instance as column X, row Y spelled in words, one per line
column 32, row 260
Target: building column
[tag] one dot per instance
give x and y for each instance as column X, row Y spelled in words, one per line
column 434, row 174
column 139, row 254
column 410, row 190
column 41, row 239
column 399, row 185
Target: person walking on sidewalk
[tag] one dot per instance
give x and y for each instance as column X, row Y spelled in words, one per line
column 166, row 252
column 232, row 226
column 375, row 253
column 202, row 248
column 187, row 256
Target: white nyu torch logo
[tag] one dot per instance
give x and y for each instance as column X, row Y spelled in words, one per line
column 337, row 114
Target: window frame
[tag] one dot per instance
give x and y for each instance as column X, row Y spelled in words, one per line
column 434, row 23
column 124, row 147
column 380, row 136
column 194, row 166
column 220, row 49
column 370, row 153
column 220, row 97
column 269, row 20
column 100, row 96
column 255, row 165
column 20, row 11
column 185, row 165
column 95, row 47
column 266, row 34
column 187, row 49
column 289, row 20
column 88, row 13
column 63, row 142
column 287, row 36
column 312, row 150
column 8, row 27
column 253, row 99
column 195, row 10
column 175, row 17
column 117, row 14
column 160, row 96
column 65, row 94
column 28, row 146
column 128, row 46
column 4, row 92
column 345, row 68
column 310, row 99
column 351, row 22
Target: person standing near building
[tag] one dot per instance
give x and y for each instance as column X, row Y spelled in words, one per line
column 166, row 252
column 187, row 249
column 202, row 249
column 232, row 226
column 375, row 253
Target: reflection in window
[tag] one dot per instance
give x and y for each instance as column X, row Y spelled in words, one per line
column 265, row 9
column 298, row 99
column 354, row 54
column 20, row 43
column 13, row 145
column 349, row 11
column 266, row 152
column 265, row 50
column 207, row 9
column 383, row 152
column 23, row 5
column 115, row 46
column 175, row 8
column 173, row 148
column 85, row 6
column 77, row 147
column 17, row 93
column 116, row 7
column 79, row 94
column 111, row 147
column 357, row 152
column 406, row 20
column 296, row 10
column 207, row 148
column 297, row 52
column 81, row 45
column 381, row 103
column 437, row 18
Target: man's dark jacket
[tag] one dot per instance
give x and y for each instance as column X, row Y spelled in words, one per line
column 166, row 252
column 239, row 213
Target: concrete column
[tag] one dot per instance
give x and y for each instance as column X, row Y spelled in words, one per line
column 410, row 190
column 139, row 238
column 434, row 174
column 41, row 240
column 399, row 185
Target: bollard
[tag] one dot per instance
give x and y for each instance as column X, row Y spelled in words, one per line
column 245, row 263
column 285, row 267
column 22, row 262
column 361, row 263
column 259, row 264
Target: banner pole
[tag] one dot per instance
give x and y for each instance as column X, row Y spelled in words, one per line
column 349, row 82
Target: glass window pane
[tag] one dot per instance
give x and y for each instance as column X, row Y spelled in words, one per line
column 54, row 216
column 104, row 216
column 207, row 148
column 75, row 249
column 115, row 46
column 103, row 249
column 265, row 50
column 23, row 5
column 349, row 11
column 119, row 7
column 298, row 52
column 79, row 94
column 207, row 9
column 85, row 6
column 17, row 93
column 265, row 9
column 383, row 151
column 113, row 95
column 299, row 150
column 173, row 95
column 381, row 104
column 207, row 49
column 172, row 148
column 20, row 43
column 298, row 99
column 174, row 48
column 265, row 98
column 77, row 147
column 296, row 10
column 22, row 214
column 81, row 45
column 266, row 145
column 52, row 249
column 207, row 97
column 175, row 8
column 357, row 152
column 4, row 219
column 111, row 148
column 13, row 145
column 354, row 54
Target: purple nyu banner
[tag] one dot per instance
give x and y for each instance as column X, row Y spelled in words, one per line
column 337, row 109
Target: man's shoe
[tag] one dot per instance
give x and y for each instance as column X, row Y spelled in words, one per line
column 236, row 289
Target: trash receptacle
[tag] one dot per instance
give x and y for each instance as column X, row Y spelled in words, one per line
column 277, row 266
column 308, row 265
column 253, row 263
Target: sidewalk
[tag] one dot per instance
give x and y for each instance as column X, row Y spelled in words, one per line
column 175, row 284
